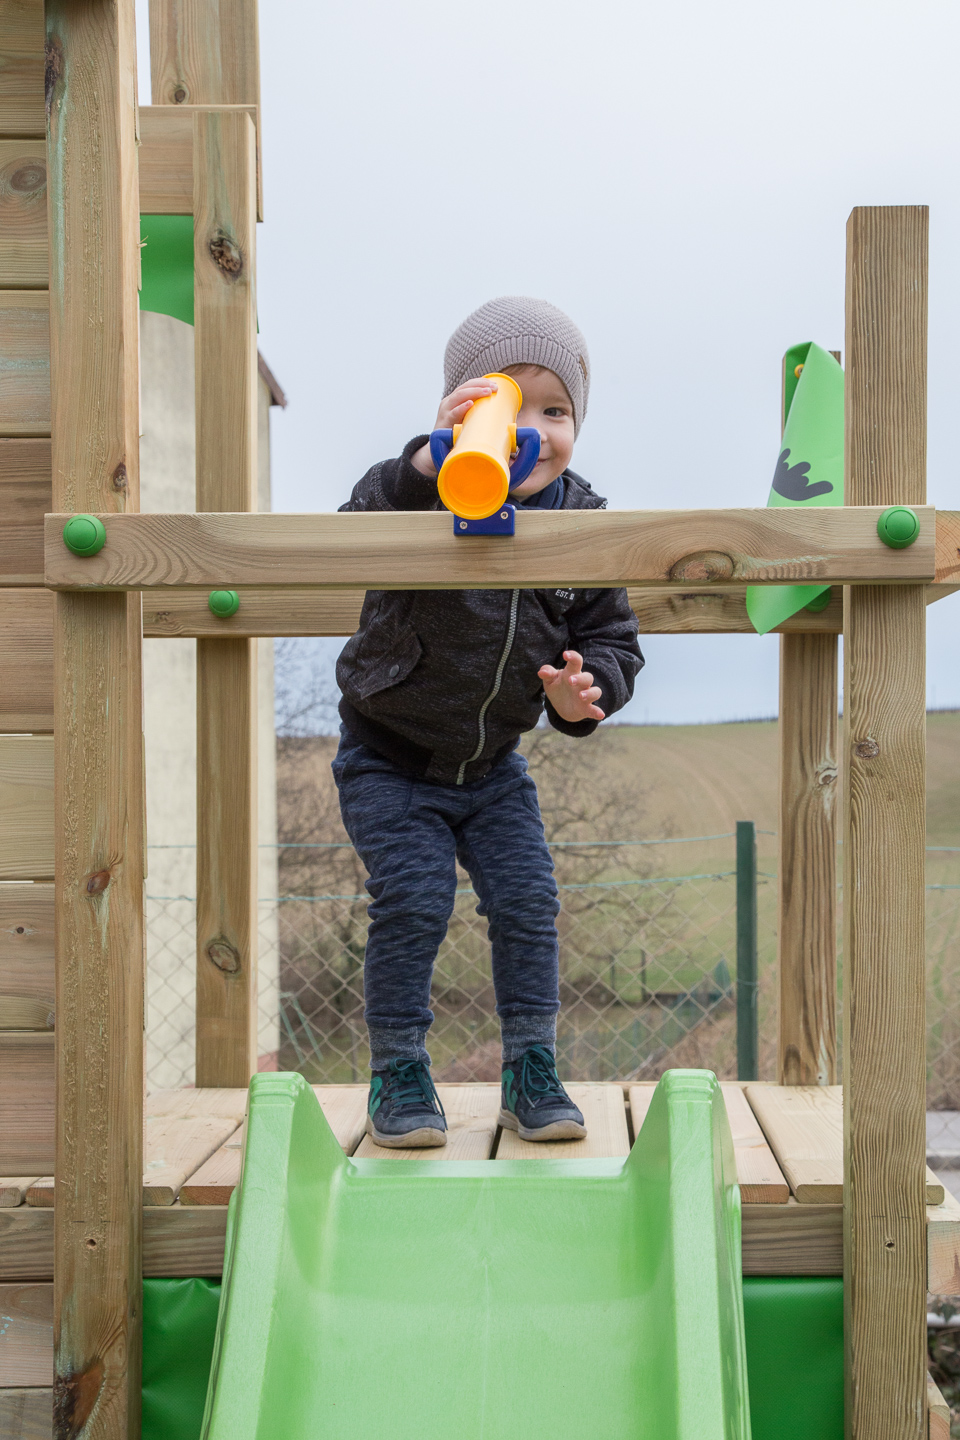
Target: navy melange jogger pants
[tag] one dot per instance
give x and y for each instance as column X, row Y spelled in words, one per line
column 409, row 832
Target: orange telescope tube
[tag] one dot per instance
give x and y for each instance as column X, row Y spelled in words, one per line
column 474, row 480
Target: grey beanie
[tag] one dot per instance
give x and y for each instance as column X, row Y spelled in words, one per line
column 516, row 330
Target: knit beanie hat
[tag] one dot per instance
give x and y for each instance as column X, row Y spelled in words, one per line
column 515, row 330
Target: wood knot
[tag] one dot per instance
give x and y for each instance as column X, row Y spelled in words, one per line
column 29, row 177
column 703, row 567
column 226, row 255
column 97, row 883
column 225, row 956
column 179, row 95
column 119, row 479
column 74, row 1397
column 827, row 775
column 866, row 749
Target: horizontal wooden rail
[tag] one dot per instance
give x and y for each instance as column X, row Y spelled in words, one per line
column 166, row 157
column 418, row 550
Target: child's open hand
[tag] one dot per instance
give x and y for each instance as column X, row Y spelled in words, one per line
column 571, row 691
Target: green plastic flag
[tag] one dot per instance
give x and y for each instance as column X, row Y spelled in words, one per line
column 809, row 469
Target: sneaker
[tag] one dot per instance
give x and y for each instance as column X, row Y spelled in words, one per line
column 403, row 1108
column 534, row 1103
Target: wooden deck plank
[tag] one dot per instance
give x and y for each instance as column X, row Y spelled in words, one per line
column 345, row 1107
column 231, row 1103
column 40, row 1193
column 13, row 1189
column 23, row 197
column 26, row 1328
column 804, row 1126
column 605, row 1114
column 26, row 658
column 758, row 1174
column 26, row 495
column 25, row 346
column 419, row 551
column 174, row 1148
column 471, row 1127
column 26, row 942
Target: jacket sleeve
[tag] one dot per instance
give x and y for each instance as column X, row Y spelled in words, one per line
column 603, row 628
column 396, row 485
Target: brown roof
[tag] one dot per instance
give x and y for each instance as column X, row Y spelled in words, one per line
column 277, row 396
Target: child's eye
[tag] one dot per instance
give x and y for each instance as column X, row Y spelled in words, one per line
column 554, row 411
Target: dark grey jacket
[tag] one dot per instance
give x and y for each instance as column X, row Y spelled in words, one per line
column 444, row 682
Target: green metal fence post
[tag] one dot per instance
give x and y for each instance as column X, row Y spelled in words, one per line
column 747, row 1033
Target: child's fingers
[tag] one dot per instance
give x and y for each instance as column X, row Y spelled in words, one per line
column 596, row 713
column 592, row 694
column 572, row 657
column 547, row 672
column 583, row 677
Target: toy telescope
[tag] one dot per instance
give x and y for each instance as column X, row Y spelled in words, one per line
column 473, row 460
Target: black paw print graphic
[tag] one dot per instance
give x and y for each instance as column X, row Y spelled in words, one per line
column 791, row 481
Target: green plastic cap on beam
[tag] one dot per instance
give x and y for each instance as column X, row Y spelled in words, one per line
column 84, row 534
column 898, row 527
column 820, row 602
column 224, row 603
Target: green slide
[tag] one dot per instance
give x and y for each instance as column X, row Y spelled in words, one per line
column 417, row 1300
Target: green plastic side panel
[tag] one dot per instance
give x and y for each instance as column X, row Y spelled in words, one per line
column 179, row 1321
column 166, row 265
column 539, row 1297
column 794, row 1335
column 809, row 467
column 795, row 1357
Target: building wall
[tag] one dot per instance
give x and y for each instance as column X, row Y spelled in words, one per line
column 167, row 483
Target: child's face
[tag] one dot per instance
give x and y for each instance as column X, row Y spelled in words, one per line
column 546, row 407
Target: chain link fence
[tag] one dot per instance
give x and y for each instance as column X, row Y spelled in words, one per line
column 647, row 964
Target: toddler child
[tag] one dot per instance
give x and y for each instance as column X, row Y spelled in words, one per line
column 438, row 686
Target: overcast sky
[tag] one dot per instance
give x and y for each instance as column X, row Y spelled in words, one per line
column 677, row 178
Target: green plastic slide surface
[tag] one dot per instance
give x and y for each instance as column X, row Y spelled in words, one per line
column 482, row 1301
column 809, row 468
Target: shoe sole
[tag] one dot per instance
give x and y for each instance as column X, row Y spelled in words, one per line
column 559, row 1130
column 427, row 1138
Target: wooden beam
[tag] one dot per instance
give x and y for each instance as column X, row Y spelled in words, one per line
column 94, row 268
column 205, row 54
column 226, row 408
column 25, row 347
column 166, row 156
column 419, row 551
column 23, row 209
column 807, row 884
column 26, row 1102
column 948, row 549
column 883, row 861
column 21, row 68
column 26, row 660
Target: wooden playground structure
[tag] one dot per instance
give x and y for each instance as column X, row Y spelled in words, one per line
column 829, row 1186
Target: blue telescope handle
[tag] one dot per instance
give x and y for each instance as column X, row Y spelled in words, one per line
column 528, row 452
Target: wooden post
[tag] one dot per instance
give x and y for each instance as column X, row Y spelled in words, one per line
column 883, row 862
column 807, row 925
column 226, row 390
column 94, row 264
column 205, row 52
column 807, row 884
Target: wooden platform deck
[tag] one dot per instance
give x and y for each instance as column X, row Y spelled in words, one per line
column 788, row 1144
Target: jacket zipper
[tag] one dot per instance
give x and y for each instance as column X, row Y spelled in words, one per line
column 498, row 681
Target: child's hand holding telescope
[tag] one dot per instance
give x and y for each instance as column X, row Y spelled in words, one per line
column 452, row 409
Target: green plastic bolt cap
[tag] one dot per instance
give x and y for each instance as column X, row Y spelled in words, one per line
column 84, row 534
column 224, row 603
column 898, row 527
column 820, row 602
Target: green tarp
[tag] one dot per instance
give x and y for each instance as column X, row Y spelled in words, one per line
column 166, row 265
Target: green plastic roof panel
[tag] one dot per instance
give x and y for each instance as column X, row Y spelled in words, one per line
column 482, row 1301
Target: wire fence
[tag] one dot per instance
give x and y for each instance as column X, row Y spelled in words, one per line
column 647, row 965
